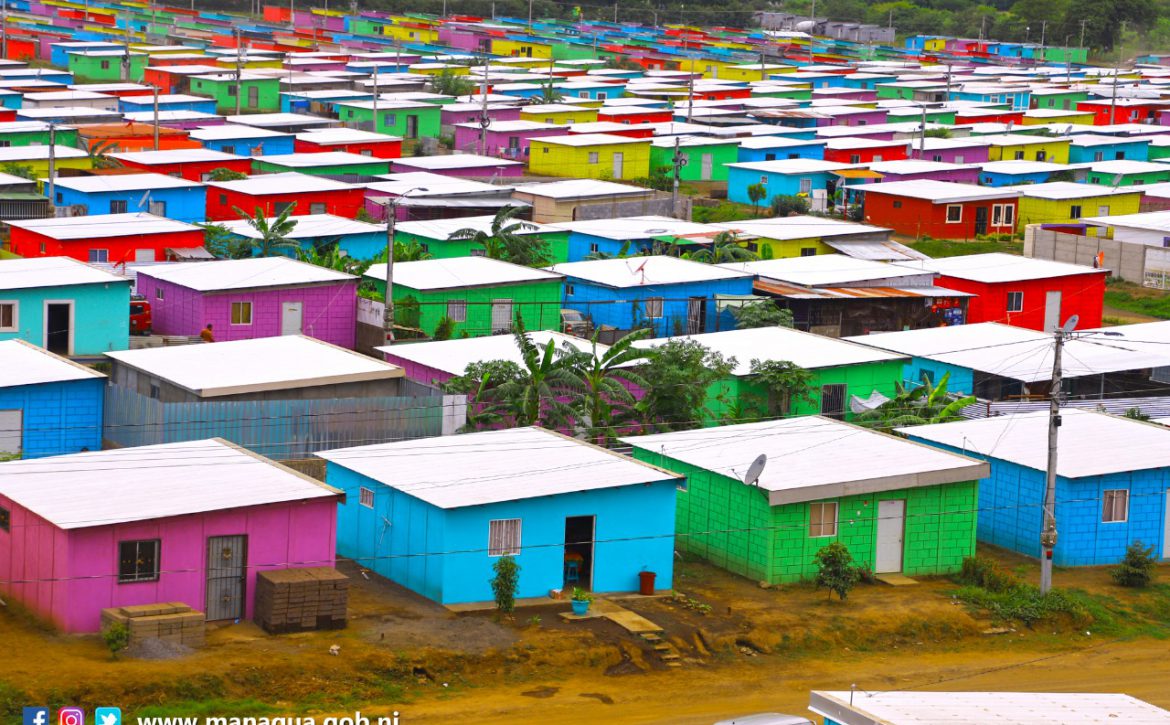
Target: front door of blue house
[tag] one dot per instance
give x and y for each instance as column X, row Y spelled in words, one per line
column 579, row 536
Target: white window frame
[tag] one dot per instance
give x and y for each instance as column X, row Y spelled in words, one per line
column 15, row 326
column 959, row 218
column 1009, row 215
column 806, row 185
column 365, row 497
column 1075, row 211
column 653, row 307
column 159, row 293
column 232, row 318
column 594, row 157
column 504, row 537
column 103, row 256
column 1018, row 307
column 457, row 310
column 822, row 507
column 1111, row 499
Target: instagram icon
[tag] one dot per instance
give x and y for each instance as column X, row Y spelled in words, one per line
column 71, row 716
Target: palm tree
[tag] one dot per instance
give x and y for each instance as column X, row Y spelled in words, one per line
column 535, row 398
column 273, row 232
column 504, row 241
column 928, row 403
column 725, row 248
column 607, row 401
column 328, row 255
column 99, row 152
column 410, row 251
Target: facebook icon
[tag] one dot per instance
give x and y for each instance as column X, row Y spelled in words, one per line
column 36, row 716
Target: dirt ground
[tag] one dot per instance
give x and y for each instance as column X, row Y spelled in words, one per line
column 755, row 650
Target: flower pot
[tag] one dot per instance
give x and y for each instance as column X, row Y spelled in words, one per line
column 579, row 607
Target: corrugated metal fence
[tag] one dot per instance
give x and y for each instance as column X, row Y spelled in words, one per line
column 1154, row 407
column 282, row 429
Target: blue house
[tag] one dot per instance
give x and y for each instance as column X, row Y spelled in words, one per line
column 670, row 295
column 319, row 101
column 1089, row 148
column 355, row 239
column 435, row 514
column 772, row 148
column 159, row 194
column 783, row 177
column 1113, row 478
column 1018, row 171
column 625, row 236
column 231, row 138
column 167, row 102
column 64, row 306
column 49, row 406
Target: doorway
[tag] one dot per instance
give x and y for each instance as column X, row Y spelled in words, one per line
column 833, row 401
column 891, row 525
column 619, row 165
column 579, row 551
column 1051, row 310
column 501, row 316
column 59, row 327
column 11, row 431
column 411, row 127
column 696, row 315
column 227, row 559
column 707, row 166
column 291, row 318
column 981, row 220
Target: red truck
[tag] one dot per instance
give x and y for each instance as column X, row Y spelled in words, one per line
column 139, row 315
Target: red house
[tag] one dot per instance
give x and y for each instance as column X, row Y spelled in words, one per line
column 272, row 193
column 1033, row 293
column 112, row 238
column 1126, row 110
column 940, row 209
column 355, row 141
column 192, row 164
column 851, row 150
column 641, row 130
column 634, row 114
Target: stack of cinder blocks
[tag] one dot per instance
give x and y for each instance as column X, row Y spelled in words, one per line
column 299, row 600
column 170, row 621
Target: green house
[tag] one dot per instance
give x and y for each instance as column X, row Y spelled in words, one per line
column 1125, row 172
column 88, row 66
column 1061, row 99
column 482, row 296
column 706, row 159
column 326, row 163
column 435, row 236
column 35, row 133
column 261, row 94
column 404, row 119
column 899, row 507
column 845, row 376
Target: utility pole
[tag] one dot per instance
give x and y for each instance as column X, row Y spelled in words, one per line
column 53, row 164
column 156, row 118
column 391, row 207
column 1043, row 36
column 126, row 55
column 982, row 23
column 812, row 32
column 615, row 7
column 679, row 161
column 239, row 74
column 1067, row 60
column 1048, row 532
column 484, row 121
column 690, row 92
column 1083, row 23
column 4, row 29
column 377, row 67
column 922, row 136
column 529, row 16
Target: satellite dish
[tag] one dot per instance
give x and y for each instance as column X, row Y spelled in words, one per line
column 1070, row 324
column 753, row 473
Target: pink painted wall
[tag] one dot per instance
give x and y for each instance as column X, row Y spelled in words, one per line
column 959, row 176
column 418, row 372
column 968, row 155
column 398, row 166
column 467, row 139
column 329, row 312
column 280, row 536
column 450, row 118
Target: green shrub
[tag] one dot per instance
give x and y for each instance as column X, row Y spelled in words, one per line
column 117, row 638
column 505, row 583
column 1137, row 568
column 985, row 574
column 835, row 569
column 444, row 329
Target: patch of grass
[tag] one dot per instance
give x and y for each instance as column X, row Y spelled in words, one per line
column 957, row 248
column 724, row 212
column 205, row 708
column 12, row 702
column 1139, row 300
column 1024, row 603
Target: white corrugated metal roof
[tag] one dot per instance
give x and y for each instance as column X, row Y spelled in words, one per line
column 232, row 274
column 26, row 364
column 453, row 356
column 122, row 182
column 493, row 467
column 939, row 192
column 589, row 139
column 103, row 225
column 826, row 270
column 102, row 488
column 442, row 229
column 456, row 272
column 914, row 707
column 51, row 272
column 799, row 227
column 1064, row 190
column 16, row 154
column 331, row 136
column 1090, row 443
column 310, row 226
column 637, row 227
column 289, row 182
column 176, row 156
column 811, row 457
column 229, row 131
column 997, row 267
column 263, row 364
column 321, row 158
column 454, row 162
column 645, row 271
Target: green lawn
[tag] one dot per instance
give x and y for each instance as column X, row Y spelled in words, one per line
column 1140, row 300
column 5, row 254
column 957, row 248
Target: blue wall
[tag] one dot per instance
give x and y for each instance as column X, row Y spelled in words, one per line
column 1130, row 150
column 188, row 204
column 782, row 152
column 634, row 531
column 274, row 146
column 359, row 246
column 1011, row 514
column 962, row 379
column 991, row 178
column 139, row 104
column 58, row 418
column 738, row 180
column 101, row 315
column 625, row 308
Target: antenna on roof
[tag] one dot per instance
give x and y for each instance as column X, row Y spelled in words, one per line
column 752, row 478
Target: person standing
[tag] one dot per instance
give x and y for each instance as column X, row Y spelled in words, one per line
column 207, row 335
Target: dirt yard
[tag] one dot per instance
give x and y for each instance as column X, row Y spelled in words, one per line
column 754, row 650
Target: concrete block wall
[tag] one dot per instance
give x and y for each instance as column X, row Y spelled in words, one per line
column 58, row 418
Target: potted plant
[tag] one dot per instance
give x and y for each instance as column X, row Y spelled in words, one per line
column 581, row 600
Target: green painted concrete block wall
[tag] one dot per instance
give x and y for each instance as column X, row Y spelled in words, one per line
column 693, row 171
column 539, row 304
column 558, row 244
column 732, row 525
column 267, row 94
column 394, row 121
column 105, row 68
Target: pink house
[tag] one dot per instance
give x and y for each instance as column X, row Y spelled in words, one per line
column 504, row 139
column 459, row 165
column 915, row 169
column 453, row 114
column 87, row 531
column 249, row 298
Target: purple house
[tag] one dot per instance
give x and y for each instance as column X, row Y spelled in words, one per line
column 964, row 150
column 434, row 363
column 851, row 115
column 504, row 139
column 248, row 298
column 453, row 114
column 459, row 165
column 915, row 169
column 102, row 529
column 464, row 37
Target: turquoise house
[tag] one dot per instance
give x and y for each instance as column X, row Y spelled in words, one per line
column 783, row 177
column 436, row 514
column 49, row 406
column 64, row 306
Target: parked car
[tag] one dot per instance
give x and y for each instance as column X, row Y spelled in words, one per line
column 139, row 315
column 767, row 718
column 576, row 324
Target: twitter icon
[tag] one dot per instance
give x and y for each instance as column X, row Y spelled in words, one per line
column 108, row 716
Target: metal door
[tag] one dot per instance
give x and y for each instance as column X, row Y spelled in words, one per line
column 501, row 315
column 143, row 255
column 619, row 165
column 981, row 220
column 706, row 164
column 11, row 431
column 833, row 400
column 411, row 126
column 696, row 315
column 227, row 560
column 291, row 317
column 1051, row 310
column 890, row 527
column 253, row 97
column 158, row 208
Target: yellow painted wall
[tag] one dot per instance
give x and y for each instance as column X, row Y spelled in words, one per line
column 935, row 44
column 411, row 34
column 521, row 48
column 585, row 115
column 783, row 248
column 708, row 67
column 1047, row 211
column 455, row 70
column 550, row 159
column 1074, row 118
column 1055, row 152
column 40, row 167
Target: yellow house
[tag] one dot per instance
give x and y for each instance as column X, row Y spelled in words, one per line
column 1065, row 202
column 590, row 156
column 434, row 69
column 1041, row 116
column 520, row 62
column 752, row 72
column 935, row 44
column 509, row 47
column 411, row 30
column 560, row 113
column 709, row 67
column 37, row 158
column 252, row 62
column 1021, row 147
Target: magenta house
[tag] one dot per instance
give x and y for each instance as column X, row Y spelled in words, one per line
column 455, row 113
column 915, row 169
column 504, row 139
column 963, row 150
column 462, row 165
column 87, row 531
column 245, row 299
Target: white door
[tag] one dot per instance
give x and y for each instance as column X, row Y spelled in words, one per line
column 11, row 431
column 708, row 162
column 143, row 255
column 619, row 165
column 501, row 315
column 291, row 314
column 890, row 528
column 1051, row 310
